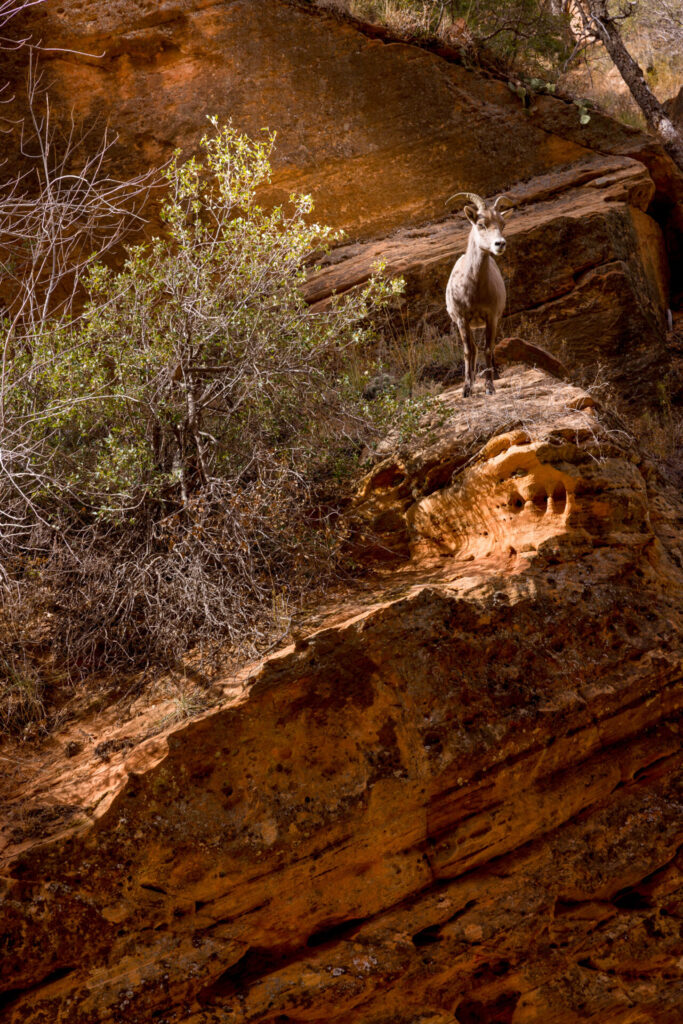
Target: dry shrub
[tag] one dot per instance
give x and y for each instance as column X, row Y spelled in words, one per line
column 217, row 575
column 22, row 707
column 419, row 355
column 166, row 453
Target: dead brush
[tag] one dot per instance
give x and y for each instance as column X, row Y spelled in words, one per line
column 22, row 704
column 165, row 455
column 209, row 578
column 659, row 432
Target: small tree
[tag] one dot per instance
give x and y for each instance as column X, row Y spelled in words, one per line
column 600, row 21
column 165, row 447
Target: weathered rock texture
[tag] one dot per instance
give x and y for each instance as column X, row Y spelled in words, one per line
column 381, row 133
column 585, row 267
column 457, row 802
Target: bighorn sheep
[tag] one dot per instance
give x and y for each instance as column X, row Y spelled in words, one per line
column 475, row 293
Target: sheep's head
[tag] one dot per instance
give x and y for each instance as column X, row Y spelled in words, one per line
column 487, row 221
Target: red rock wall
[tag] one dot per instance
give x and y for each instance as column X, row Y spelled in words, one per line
column 457, row 802
column 380, row 133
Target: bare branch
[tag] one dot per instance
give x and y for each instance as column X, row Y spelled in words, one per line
column 55, row 221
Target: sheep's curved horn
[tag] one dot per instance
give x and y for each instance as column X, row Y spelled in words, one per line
column 502, row 199
column 472, row 196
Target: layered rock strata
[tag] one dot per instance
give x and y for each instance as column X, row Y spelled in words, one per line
column 381, row 133
column 457, row 801
column 585, row 268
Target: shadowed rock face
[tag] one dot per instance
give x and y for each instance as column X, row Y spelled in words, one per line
column 457, row 801
column 381, row 133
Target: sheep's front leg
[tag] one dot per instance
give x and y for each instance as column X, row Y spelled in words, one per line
column 470, row 353
column 491, row 335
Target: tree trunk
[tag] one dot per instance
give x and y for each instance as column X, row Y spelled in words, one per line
column 604, row 27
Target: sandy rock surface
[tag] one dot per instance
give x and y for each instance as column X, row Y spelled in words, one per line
column 456, row 801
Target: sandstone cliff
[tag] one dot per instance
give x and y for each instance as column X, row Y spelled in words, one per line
column 456, row 799
column 381, row 133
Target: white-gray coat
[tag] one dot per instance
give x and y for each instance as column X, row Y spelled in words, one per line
column 475, row 293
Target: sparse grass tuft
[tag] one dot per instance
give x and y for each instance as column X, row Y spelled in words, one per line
column 22, row 707
column 185, row 705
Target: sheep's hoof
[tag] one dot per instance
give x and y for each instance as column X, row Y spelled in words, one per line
column 466, row 391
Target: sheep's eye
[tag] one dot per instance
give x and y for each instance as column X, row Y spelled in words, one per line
column 481, row 224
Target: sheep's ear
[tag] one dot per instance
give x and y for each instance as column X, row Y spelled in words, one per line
column 471, row 214
column 506, row 213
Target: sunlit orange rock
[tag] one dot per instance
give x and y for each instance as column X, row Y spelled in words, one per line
column 456, row 800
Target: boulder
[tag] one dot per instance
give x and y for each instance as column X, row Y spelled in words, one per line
column 585, row 269
column 517, row 350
